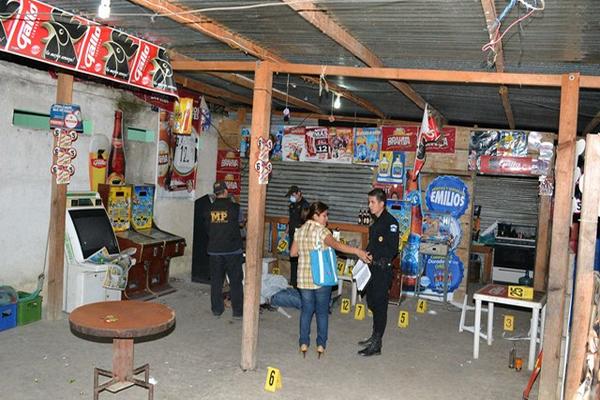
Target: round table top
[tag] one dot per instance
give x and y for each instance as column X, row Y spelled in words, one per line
column 122, row 319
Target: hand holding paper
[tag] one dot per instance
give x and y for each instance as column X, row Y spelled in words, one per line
column 361, row 274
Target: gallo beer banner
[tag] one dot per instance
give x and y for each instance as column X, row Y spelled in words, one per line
column 42, row 32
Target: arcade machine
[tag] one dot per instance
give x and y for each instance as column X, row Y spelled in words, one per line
column 155, row 248
column 88, row 229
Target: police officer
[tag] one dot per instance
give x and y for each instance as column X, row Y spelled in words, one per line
column 297, row 203
column 225, row 251
column 383, row 248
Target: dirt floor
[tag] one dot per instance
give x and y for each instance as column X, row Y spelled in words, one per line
column 200, row 358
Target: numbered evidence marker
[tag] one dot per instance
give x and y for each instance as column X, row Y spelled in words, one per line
column 276, row 270
column 341, row 267
column 273, row 382
column 509, row 323
column 403, row 319
column 421, row 306
column 359, row 312
column 345, row 306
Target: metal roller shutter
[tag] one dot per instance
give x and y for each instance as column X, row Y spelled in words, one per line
column 507, row 199
column 343, row 187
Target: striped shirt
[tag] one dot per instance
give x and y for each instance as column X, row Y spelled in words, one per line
column 307, row 237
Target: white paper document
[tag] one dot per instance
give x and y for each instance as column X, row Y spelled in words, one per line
column 361, row 274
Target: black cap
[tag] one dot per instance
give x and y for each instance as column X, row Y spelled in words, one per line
column 219, row 187
column 292, row 189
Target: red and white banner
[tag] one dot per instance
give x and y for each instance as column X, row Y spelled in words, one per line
column 506, row 165
column 228, row 161
column 42, row 32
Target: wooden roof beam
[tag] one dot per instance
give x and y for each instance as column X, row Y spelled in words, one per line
column 489, row 11
column 201, row 23
column 318, row 18
column 210, row 90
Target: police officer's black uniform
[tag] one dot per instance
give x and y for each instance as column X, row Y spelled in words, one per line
column 383, row 246
column 295, row 221
column 225, row 251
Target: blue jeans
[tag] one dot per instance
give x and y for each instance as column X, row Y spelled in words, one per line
column 315, row 301
column 287, row 298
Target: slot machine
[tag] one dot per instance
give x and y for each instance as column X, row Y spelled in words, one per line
column 117, row 201
column 155, row 247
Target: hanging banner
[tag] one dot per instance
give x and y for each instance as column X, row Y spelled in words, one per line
column 228, row 170
column 317, row 144
column 445, row 144
column 292, row 144
column 447, row 194
column 39, row 31
column 366, row 145
column 340, row 143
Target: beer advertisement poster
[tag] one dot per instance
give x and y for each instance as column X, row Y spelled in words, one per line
column 293, row 143
column 399, row 138
column 391, row 167
column 505, row 165
column 233, row 181
column 228, row 161
column 316, row 144
column 39, row 31
column 445, row 144
column 366, row 146
column 45, row 33
column 340, row 143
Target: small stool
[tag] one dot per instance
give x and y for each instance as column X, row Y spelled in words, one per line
column 471, row 328
column 347, row 278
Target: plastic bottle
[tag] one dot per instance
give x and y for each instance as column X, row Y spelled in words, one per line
column 512, row 355
column 397, row 168
column 116, row 160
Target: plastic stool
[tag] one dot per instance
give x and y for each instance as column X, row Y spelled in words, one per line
column 347, row 278
column 470, row 328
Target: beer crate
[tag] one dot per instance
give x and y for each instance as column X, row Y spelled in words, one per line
column 8, row 316
column 28, row 309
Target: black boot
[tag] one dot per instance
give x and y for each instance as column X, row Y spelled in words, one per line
column 373, row 349
column 367, row 341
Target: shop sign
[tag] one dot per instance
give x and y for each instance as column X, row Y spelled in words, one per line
column 506, row 165
column 447, row 194
column 48, row 34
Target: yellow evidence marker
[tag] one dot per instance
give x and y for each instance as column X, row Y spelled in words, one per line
column 359, row 312
column 273, row 382
column 509, row 323
column 345, row 306
column 403, row 319
column 421, row 306
column 341, row 267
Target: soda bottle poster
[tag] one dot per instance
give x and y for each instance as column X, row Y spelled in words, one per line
column 293, row 144
column 340, row 143
column 391, row 167
column 366, row 146
column 316, row 144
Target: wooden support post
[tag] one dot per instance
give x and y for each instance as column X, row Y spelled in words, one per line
column 540, row 275
column 559, row 249
column 58, row 205
column 584, row 281
column 261, row 120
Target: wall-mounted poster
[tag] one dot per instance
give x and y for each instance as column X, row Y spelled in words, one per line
column 434, row 270
column 506, row 165
column 399, row 138
column 447, row 194
column 317, row 144
column 245, row 142
column 441, row 227
column 228, row 170
column 401, row 210
column 340, row 142
column 391, row 167
column 277, row 138
column 393, row 191
column 292, row 145
column 446, row 142
column 482, row 143
column 512, row 143
column 366, row 145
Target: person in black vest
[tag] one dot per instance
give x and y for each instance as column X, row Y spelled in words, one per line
column 383, row 248
column 296, row 206
column 225, row 251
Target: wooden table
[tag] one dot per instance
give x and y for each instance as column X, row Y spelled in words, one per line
column 122, row 321
column 499, row 294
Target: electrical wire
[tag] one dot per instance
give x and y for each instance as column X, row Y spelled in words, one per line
column 492, row 43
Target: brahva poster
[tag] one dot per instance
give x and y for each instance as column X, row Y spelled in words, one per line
column 404, row 138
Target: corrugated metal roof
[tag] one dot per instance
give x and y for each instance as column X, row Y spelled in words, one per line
column 433, row 34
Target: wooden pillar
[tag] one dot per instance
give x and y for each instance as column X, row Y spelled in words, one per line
column 559, row 249
column 540, row 274
column 584, row 281
column 58, row 204
column 261, row 119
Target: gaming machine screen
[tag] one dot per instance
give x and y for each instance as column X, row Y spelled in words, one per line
column 94, row 231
